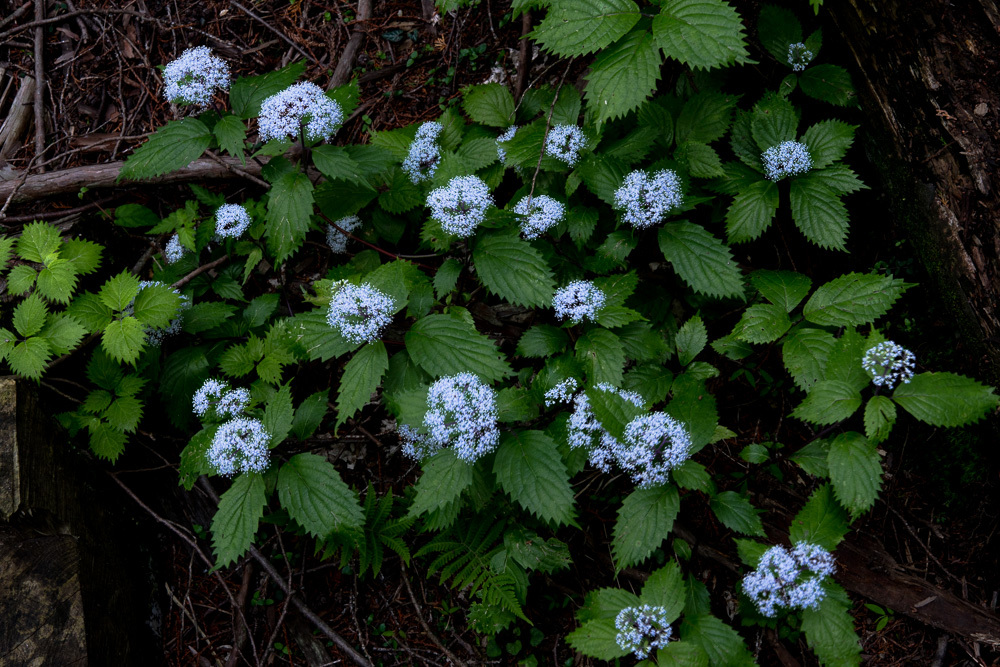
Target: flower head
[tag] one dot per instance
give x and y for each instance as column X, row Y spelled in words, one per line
column 425, row 154
column 301, row 106
column 174, row 251
column 233, row 402
column 507, row 135
column 889, row 364
column 359, row 312
column 542, row 213
column 461, row 413
column 799, row 56
column 215, row 400
column 645, row 200
column 654, row 445
column 565, row 143
column 642, row 629
column 231, row 220
column 461, row 205
column 789, row 579
column 240, row 445
column 192, row 78
column 584, row 429
column 789, row 158
column 336, row 239
column 561, row 393
column 578, row 301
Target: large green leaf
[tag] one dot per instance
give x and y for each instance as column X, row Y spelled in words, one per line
column 945, row 399
column 880, row 415
column 444, row 479
column 700, row 259
column 665, row 588
column 736, row 513
column 241, row 508
column 449, row 344
column 231, row 134
column 644, row 521
column 830, row 83
column 579, row 27
column 851, row 299
column 29, row 316
column 752, row 211
column 123, row 339
column 773, row 121
column 597, row 638
column 828, row 142
column 705, row 117
column 818, row 212
column 278, row 415
column 623, row 76
column 172, row 147
column 602, row 356
column 489, row 104
column 855, row 470
column 361, row 378
column 762, row 323
column 782, row 288
column 805, row 353
column 156, row 305
column 248, row 92
column 828, row 402
column 722, row 644
column 700, row 33
column 512, row 269
column 38, row 241
column 829, row 631
column 312, row 492
column 529, row 468
column 821, row 521
column 690, row 340
column 777, row 28
column 289, row 206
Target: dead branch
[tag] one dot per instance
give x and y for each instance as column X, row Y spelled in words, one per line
column 346, row 63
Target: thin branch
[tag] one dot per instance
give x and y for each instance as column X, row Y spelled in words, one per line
column 197, row 272
column 548, row 126
column 346, row 63
column 39, row 82
column 277, row 32
column 420, row 617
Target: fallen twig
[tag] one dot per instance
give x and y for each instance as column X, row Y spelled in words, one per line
column 346, row 63
column 420, row 617
column 39, row 83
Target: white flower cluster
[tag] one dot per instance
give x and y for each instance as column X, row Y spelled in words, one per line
column 240, row 445
column 192, row 78
column 336, row 239
column 789, row 158
column 561, row 393
column 578, row 301
column 359, row 312
column 542, row 213
column 889, row 364
column 425, row 154
column 654, row 445
column 584, row 430
column 799, row 56
column 301, row 106
column 174, row 251
column 507, row 135
column 461, row 205
column 215, row 400
column 154, row 336
column 645, row 200
column 642, row 629
column 231, row 220
column 461, row 413
column 789, row 579
column 565, row 143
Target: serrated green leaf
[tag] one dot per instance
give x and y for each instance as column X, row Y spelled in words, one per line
column 651, row 381
column 309, row 415
column 289, row 205
column 38, row 241
column 124, row 413
column 315, row 496
column 691, row 339
column 828, row 142
column 444, row 478
column 750, row 552
column 778, row 28
column 693, row 476
column 742, row 143
column 156, row 305
column 30, row 357
column 118, row 292
column 782, row 288
column 315, row 338
column 665, row 588
column 752, row 211
column 844, row 362
column 602, row 176
column 700, row 259
column 174, row 146
column 57, row 280
column 856, row 472
column 805, row 353
column 602, row 356
column 241, row 507
column 842, row 180
column 231, row 134
column 701, row 159
column 334, row 162
column 818, row 212
column 248, row 92
column 721, row 643
column 705, row 117
column 362, row 376
column 529, row 468
column 402, row 194
column 579, row 27
column 762, row 323
column 106, row 441
column 6, row 250
column 207, row 315
column 124, row 339
column 29, row 316
column 512, row 269
column 130, row 385
column 489, row 104
column 21, row 279
column 606, row 603
column 700, row 33
column 623, row 76
column 828, row 402
column 681, row 654
column 829, row 83
column 449, row 344
column 645, row 519
column 278, row 415
column 829, row 631
column 821, row 521
column 773, row 121
column 880, row 415
column 945, row 399
column 736, row 513
column 515, row 404
column 542, row 341
column 63, row 333
column 597, row 639
column 694, row 406
column 852, row 299
column 612, row 411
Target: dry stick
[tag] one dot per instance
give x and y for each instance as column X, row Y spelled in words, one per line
column 17, row 12
column 274, row 30
column 420, row 617
column 59, row 214
column 346, row 64
column 39, row 83
column 301, row 606
column 524, row 53
column 200, row 270
column 236, row 170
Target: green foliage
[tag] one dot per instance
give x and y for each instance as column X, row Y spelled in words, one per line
column 856, row 472
column 579, row 27
column 700, row 33
column 362, row 376
column 241, row 508
column 449, row 344
column 736, row 513
column 176, row 145
column 529, row 468
column 512, row 269
column 312, row 492
column 945, row 399
column 644, row 520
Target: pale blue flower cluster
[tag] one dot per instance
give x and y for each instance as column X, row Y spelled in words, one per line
column 240, row 445
column 799, row 56
column 789, row 579
column 645, row 200
column 154, row 336
column 300, row 107
column 654, row 445
column 565, row 143
column 231, row 220
column 543, row 213
column 425, row 154
column 336, row 239
column 193, row 78
column 578, row 301
column 561, row 393
column 584, row 430
column 359, row 312
column 461, row 413
column 215, row 400
column 642, row 629
column 174, row 251
column 889, row 364
column 461, row 205
column 789, row 158
column 506, row 136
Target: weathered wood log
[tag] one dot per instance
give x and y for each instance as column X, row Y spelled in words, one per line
column 933, row 110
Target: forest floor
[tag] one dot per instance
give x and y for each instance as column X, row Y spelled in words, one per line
column 938, row 516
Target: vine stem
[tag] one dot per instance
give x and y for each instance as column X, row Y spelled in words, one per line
column 548, row 126
column 370, row 245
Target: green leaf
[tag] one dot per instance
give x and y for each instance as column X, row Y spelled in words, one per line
column 691, row 339
column 778, row 28
column 651, row 381
column 597, row 639
column 852, row 299
column 841, row 179
column 772, row 121
column 602, row 355
column 681, row 654
column 29, row 358
column 489, row 104
column 29, row 316
column 362, row 376
column 645, row 519
column 856, row 472
column 444, row 479
column 124, row 339
column 945, row 399
column 84, row 255
column 700, row 33
column 705, row 117
column 612, row 411
column 694, row 405
column 828, row 402
column 752, row 211
column 529, row 468
column 289, row 206
column 829, row 632
column 542, row 341
column 844, row 363
column 700, row 259
column 515, row 404
column 106, row 441
column 156, row 305
column 602, row 176
column 278, row 415
column 334, row 162
column 313, row 493
column 449, row 344
column 21, row 279
column 805, row 353
column 57, row 280
column 736, row 513
column 762, row 323
column 124, row 413
column 579, row 27
column 313, row 335
column 880, row 415
column 722, row 644
column 241, row 508
column 231, row 134
column 513, row 270
column 665, row 588
column 828, row 142
column 38, row 240
column 247, row 93
column 701, row 159
column 447, row 277
column 821, row 521
column 118, row 292
column 818, row 212
column 135, row 215
column 6, row 250
column 207, row 315
column 829, row 83
column 623, row 76
column 782, row 288
column 309, row 415
column 174, row 146
column 63, row 333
